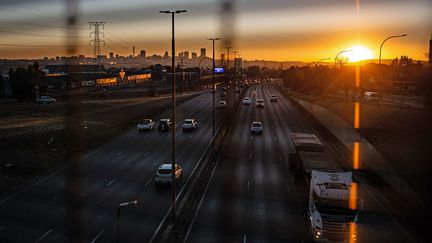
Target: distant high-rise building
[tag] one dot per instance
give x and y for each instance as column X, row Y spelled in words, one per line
column 166, row 55
column 186, row 54
column 194, row 55
column 111, row 55
column 222, row 61
column 203, row 52
column 142, row 53
column 81, row 56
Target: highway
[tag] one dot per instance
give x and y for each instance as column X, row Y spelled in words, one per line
column 252, row 196
column 122, row 170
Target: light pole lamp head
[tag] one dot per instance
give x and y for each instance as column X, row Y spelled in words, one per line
column 180, row 11
column 164, row 11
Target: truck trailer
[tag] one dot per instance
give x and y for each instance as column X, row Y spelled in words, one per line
column 328, row 211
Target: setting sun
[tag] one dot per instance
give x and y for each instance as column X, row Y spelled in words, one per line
column 358, row 53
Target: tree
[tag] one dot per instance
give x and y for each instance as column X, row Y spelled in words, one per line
column 24, row 80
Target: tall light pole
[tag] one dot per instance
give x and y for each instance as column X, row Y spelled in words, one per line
column 386, row 39
column 322, row 59
column 235, row 75
column 122, row 205
column 173, row 150
column 336, row 58
column 228, row 60
column 214, row 88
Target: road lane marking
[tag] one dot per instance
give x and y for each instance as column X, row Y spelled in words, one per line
column 280, row 157
column 3, row 227
column 248, row 185
column 244, row 238
column 146, row 154
column 250, row 156
column 288, row 187
column 190, row 136
column 119, row 153
column 111, row 182
column 43, row 236
column 251, row 137
column 148, row 182
column 274, row 138
column 97, row 236
column 168, row 136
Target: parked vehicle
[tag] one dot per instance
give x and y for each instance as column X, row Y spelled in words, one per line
column 373, row 97
column 45, row 99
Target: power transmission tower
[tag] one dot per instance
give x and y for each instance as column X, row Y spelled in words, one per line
column 96, row 38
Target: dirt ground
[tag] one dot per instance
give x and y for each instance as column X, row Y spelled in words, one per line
column 402, row 135
column 32, row 136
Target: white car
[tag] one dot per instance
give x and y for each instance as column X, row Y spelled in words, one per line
column 246, row 101
column 189, row 125
column 146, row 125
column 163, row 174
column 256, row 127
column 222, row 104
column 45, row 99
column 260, row 103
column 371, row 97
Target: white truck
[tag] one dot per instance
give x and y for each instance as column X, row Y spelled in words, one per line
column 328, row 212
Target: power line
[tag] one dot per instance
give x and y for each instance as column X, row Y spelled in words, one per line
column 41, row 35
column 42, row 46
column 37, row 24
column 120, row 39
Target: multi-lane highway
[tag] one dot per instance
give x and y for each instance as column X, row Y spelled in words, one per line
column 252, row 196
column 122, row 170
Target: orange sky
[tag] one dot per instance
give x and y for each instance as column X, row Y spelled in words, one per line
column 299, row 30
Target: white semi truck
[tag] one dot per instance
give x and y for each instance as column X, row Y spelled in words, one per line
column 330, row 216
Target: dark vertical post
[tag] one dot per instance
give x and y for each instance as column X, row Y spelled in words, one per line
column 214, row 90
column 173, row 179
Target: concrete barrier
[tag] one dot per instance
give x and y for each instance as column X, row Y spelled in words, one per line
column 370, row 158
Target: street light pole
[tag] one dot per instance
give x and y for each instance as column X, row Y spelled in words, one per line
column 122, row 205
column 322, row 59
column 214, row 88
column 173, row 115
column 235, row 76
column 227, row 71
column 336, row 58
column 386, row 39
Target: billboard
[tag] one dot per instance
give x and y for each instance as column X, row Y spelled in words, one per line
column 219, row 70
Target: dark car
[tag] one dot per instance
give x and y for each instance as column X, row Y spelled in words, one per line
column 164, row 125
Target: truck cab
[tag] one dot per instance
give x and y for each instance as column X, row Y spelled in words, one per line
column 330, row 215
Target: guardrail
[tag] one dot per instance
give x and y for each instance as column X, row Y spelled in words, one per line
column 189, row 194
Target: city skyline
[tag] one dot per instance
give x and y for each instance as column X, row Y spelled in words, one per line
column 269, row 31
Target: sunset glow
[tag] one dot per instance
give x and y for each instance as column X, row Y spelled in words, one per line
column 358, row 53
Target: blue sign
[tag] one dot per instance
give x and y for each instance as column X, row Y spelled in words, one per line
column 219, row 70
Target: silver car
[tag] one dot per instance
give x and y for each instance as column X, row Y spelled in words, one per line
column 163, row 174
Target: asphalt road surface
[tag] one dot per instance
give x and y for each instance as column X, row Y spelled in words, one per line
column 253, row 196
column 122, row 170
